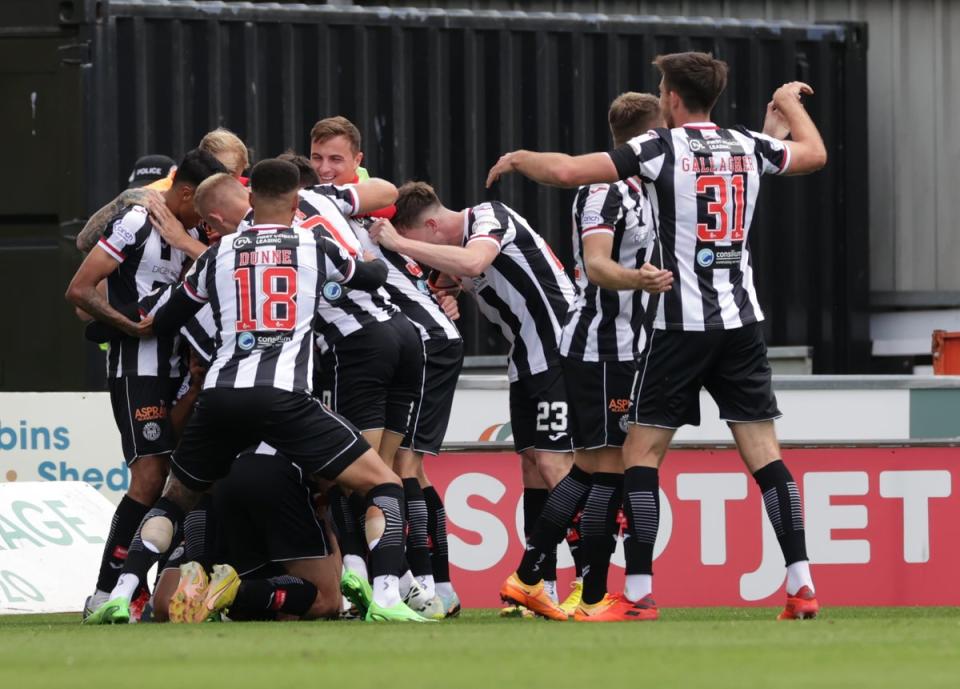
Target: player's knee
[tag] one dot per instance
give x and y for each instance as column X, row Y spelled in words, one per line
column 158, row 532
column 325, row 606
column 147, row 478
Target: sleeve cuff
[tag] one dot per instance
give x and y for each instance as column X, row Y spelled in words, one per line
column 188, row 288
column 112, row 251
column 598, row 229
column 486, row 237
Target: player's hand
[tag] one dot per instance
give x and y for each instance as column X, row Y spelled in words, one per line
column 449, row 304
column 775, row 124
column 385, row 234
column 142, row 329
column 198, row 370
column 170, row 228
column 789, row 94
column 502, row 167
column 654, row 280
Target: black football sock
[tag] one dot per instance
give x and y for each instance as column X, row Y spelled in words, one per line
column 551, row 527
column 437, row 529
column 386, row 553
column 349, row 535
column 198, row 533
column 575, row 539
column 641, row 507
column 533, row 501
column 264, row 598
column 599, row 527
column 126, row 521
column 141, row 557
column 781, row 498
column 418, row 550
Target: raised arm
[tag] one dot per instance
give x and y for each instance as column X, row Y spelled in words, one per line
column 374, row 194
column 556, row 169
column 807, row 152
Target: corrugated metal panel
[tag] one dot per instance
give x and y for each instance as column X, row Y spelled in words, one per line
column 913, row 71
column 440, row 95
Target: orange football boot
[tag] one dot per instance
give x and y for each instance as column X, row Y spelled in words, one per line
column 618, row 608
column 531, row 596
column 802, row 605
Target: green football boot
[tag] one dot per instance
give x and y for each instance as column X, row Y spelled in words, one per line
column 400, row 612
column 357, row 590
column 116, row 611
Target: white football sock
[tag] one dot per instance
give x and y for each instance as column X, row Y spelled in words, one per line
column 798, row 576
column 386, row 590
column 551, row 588
column 428, row 585
column 637, row 586
column 355, row 564
column 445, row 589
column 406, row 583
column 126, row 586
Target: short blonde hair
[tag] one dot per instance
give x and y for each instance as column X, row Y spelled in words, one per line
column 214, row 189
column 228, row 148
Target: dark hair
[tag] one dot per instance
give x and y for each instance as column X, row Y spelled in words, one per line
column 328, row 128
column 308, row 176
column 196, row 166
column 698, row 78
column 631, row 114
column 271, row 178
column 413, row 199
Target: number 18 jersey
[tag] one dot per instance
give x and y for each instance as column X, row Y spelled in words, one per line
column 264, row 285
column 703, row 183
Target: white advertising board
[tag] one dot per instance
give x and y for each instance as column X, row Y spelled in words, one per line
column 49, row 531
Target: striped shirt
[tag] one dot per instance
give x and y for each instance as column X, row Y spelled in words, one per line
column 200, row 332
column 345, row 311
column 146, row 263
column 524, row 291
column 406, row 282
column 608, row 325
column 703, row 183
column 264, row 285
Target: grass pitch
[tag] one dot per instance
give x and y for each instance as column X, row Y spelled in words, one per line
column 713, row 647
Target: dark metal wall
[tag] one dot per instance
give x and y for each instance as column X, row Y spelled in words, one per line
column 439, row 96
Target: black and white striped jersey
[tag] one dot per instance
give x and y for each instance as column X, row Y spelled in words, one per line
column 525, row 291
column 607, row 325
column 264, row 286
column 146, row 263
column 200, row 332
column 703, row 183
column 406, row 282
column 348, row 310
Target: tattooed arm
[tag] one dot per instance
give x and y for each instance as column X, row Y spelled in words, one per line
column 97, row 223
column 83, row 294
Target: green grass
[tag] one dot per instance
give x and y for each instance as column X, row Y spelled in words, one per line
column 713, row 647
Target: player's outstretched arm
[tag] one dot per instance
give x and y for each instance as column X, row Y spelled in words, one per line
column 461, row 261
column 556, row 169
column 97, row 224
column 82, row 292
column 368, row 275
column 807, row 152
column 604, row 272
column 374, row 194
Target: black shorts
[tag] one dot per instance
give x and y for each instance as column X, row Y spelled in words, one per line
column 227, row 421
column 372, row 377
column 442, row 362
column 731, row 364
column 539, row 415
column 265, row 515
column 599, row 396
column 141, row 409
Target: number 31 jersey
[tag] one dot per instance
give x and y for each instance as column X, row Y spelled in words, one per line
column 264, row 285
column 703, row 183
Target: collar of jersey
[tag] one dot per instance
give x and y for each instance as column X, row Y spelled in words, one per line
column 259, row 228
column 700, row 125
